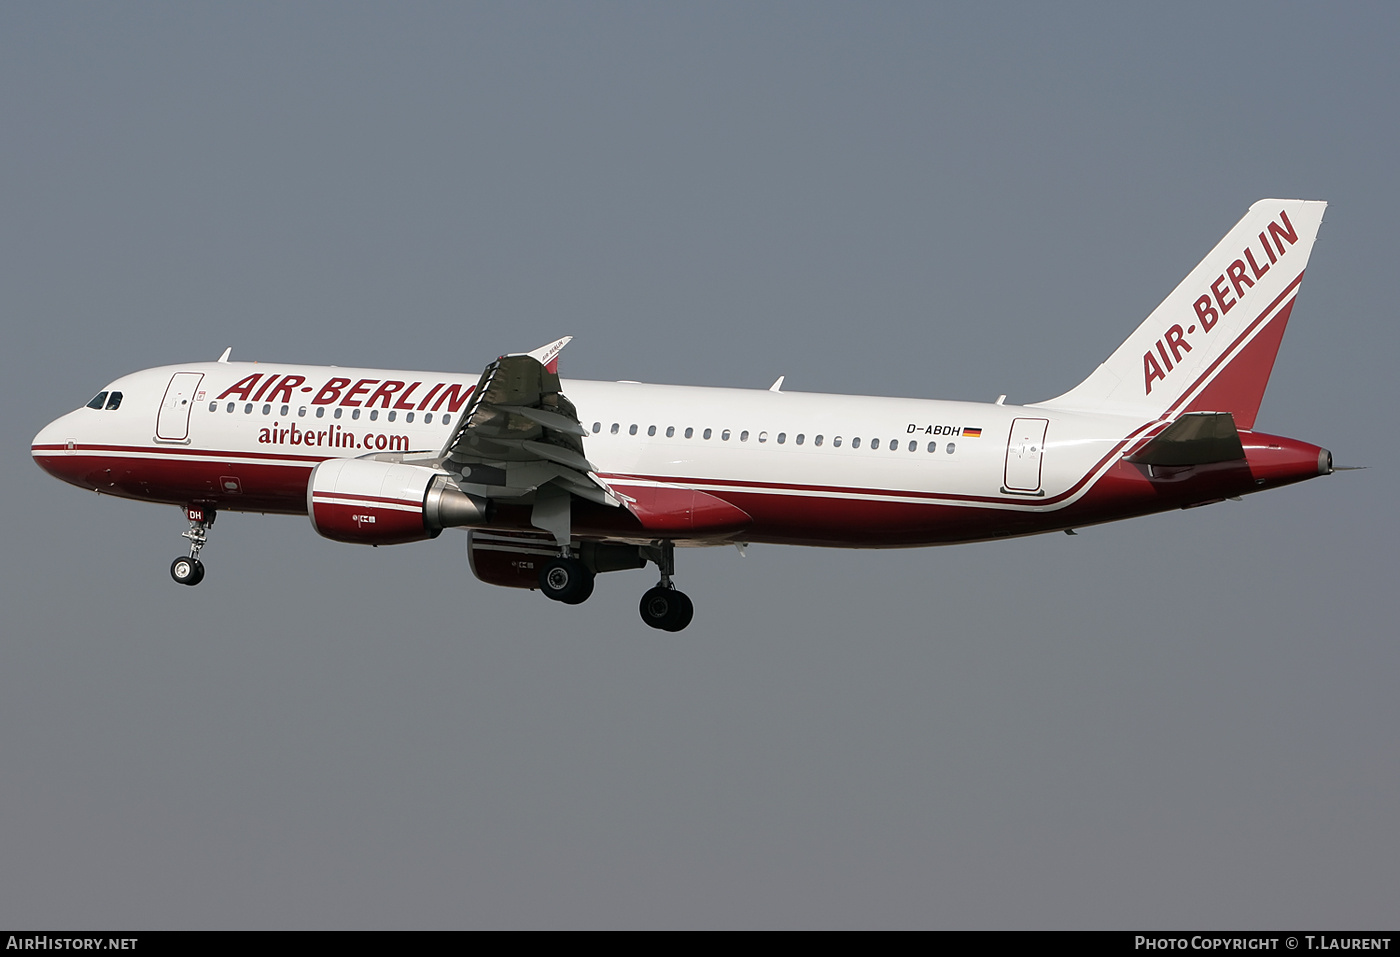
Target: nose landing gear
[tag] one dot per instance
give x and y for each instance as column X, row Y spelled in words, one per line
column 190, row 571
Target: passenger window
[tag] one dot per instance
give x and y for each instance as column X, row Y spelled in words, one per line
column 689, row 432
column 744, row 436
column 800, row 438
column 427, row 417
column 230, row 407
column 951, row 448
column 855, row 442
column 913, row 445
column 632, row 429
column 248, row 409
column 406, row 418
column 724, row 436
column 836, row 442
column 782, row 437
column 321, row 413
column 213, row 406
column 373, row 414
column 614, row 428
column 670, row 431
column 817, row 440
column 284, row 411
column 392, row 415
column 933, row 446
column 98, row 401
column 763, row 436
column 267, row 409
column 354, row 413
column 874, row 443
column 708, row 433
column 651, row 430
column 597, row 427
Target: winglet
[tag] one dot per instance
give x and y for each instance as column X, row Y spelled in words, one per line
column 227, row 352
column 548, row 356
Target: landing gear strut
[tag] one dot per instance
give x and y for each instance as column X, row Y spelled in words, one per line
column 190, row 571
column 663, row 606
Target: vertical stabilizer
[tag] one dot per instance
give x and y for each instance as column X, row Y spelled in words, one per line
column 1210, row 345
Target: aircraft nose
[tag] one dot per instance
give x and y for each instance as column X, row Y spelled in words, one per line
column 54, row 451
column 47, row 440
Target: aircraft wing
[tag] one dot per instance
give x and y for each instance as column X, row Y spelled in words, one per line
column 519, row 433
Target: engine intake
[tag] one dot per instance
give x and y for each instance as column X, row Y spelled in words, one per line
column 366, row 502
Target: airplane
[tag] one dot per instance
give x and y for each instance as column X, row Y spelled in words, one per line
column 557, row 481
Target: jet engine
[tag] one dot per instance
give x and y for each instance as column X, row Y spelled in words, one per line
column 366, row 502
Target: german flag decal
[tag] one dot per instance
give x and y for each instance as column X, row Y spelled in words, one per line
column 972, row 433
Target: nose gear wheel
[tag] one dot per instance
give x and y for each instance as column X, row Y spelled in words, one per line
column 187, row 571
column 190, row 570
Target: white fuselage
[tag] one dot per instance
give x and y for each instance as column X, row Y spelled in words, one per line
column 861, row 471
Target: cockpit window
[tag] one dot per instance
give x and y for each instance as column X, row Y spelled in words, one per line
column 114, row 400
column 97, row 401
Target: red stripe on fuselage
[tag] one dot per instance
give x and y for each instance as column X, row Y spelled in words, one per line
column 271, row 483
column 782, row 514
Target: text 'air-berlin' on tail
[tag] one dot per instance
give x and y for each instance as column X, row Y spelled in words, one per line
column 558, row 481
column 1210, row 345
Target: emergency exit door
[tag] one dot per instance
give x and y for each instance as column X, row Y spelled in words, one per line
column 1024, row 449
column 173, row 422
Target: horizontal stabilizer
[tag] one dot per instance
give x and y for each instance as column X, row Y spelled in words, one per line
column 1197, row 438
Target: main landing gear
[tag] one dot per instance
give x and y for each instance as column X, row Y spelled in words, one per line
column 570, row 580
column 190, row 570
column 663, row 606
column 566, row 579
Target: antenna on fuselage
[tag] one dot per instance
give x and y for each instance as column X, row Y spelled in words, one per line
column 227, row 352
column 777, row 386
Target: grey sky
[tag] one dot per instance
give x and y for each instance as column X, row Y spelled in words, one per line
column 1183, row 721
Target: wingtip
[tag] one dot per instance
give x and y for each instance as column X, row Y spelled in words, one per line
column 548, row 356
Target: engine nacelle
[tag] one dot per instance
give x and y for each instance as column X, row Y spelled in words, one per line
column 366, row 502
